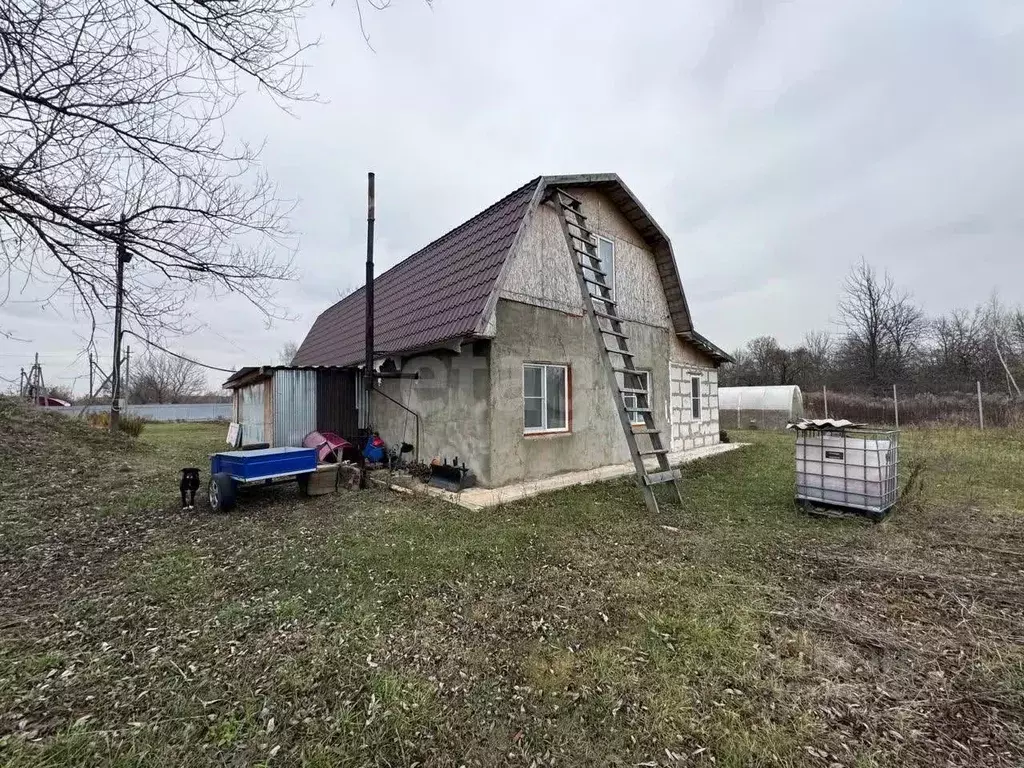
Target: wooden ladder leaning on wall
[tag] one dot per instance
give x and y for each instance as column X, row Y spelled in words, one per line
column 600, row 306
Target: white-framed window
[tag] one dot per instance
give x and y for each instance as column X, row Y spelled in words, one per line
column 545, row 397
column 606, row 263
column 641, row 381
column 695, row 396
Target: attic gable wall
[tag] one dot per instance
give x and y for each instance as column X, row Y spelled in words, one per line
column 542, row 272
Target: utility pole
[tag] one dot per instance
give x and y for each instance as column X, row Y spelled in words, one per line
column 123, row 258
column 34, row 386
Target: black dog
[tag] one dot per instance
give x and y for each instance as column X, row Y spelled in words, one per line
column 189, row 484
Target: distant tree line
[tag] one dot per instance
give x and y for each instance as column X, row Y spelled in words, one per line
column 883, row 338
column 157, row 378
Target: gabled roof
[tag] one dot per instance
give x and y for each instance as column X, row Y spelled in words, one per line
column 438, row 294
column 446, row 292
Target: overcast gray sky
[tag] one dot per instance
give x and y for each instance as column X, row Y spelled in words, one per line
column 776, row 143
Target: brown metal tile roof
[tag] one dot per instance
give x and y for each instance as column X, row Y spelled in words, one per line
column 445, row 291
column 437, row 294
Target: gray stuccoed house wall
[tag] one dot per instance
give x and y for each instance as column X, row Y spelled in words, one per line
column 540, row 318
column 452, row 398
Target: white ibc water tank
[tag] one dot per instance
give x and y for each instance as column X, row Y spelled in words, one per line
column 854, row 468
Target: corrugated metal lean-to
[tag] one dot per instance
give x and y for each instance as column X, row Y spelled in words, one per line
column 295, row 409
column 250, row 413
column 280, row 405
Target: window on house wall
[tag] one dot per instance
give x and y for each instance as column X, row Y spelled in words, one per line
column 695, row 396
column 545, row 398
column 606, row 263
column 631, row 399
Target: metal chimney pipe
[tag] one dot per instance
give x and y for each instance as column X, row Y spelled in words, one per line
column 370, row 212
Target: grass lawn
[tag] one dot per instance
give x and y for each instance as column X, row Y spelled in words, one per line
column 377, row 629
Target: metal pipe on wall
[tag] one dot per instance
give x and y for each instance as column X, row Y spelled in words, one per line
column 408, row 410
column 371, row 204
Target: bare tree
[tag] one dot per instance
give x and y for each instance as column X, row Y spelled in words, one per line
column 288, row 352
column 905, row 326
column 764, row 362
column 862, row 311
column 959, row 340
column 1003, row 328
column 819, row 345
column 115, row 107
column 161, row 378
column 820, row 350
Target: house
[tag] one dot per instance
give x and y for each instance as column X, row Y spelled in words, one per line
column 510, row 377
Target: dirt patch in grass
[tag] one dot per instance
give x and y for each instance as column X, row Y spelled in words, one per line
column 571, row 629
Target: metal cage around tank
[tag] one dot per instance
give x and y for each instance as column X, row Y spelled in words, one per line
column 852, row 468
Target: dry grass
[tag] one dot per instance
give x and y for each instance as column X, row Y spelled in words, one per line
column 372, row 629
column 129, row 424
column 947, row 410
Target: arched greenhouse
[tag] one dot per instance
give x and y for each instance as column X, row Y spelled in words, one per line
column 759, row 407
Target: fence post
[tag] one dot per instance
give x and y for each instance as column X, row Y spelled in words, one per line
column 739, row 398
column 981, row 410
column 824, row 396
column 896, row 406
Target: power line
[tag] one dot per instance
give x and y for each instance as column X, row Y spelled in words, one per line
column 175, row 354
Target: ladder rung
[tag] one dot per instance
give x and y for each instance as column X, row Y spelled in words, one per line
column 633, row 371
column 640, row 410
column 595, row 270
column 653, row 451
column 616, row 334
column 627, row 391
column 566, row 194
column 598, row 283
column 583, row 239
column 646, row 431
column 616, row 318
column 623, row 352
column 581, row 228
column 653, row 478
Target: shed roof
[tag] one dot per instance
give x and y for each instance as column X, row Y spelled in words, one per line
column 250, row 373
column 446, row 291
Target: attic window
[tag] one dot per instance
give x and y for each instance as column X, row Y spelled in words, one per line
column 606, row 259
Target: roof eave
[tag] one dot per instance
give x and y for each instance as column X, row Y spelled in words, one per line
column 708, row 347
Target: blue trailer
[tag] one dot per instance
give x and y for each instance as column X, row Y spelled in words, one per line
column 231, row 469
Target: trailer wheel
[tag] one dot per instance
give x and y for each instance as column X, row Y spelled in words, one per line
column 303, row 481
column 222, row 492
